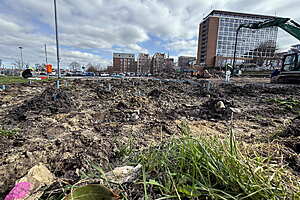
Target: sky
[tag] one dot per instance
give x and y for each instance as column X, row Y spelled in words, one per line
column 91, row 30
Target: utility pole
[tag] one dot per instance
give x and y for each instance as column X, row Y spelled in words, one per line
column 46, row 54
column 21, row 48
column 57, row 45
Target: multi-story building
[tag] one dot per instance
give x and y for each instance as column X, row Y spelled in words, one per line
column 123, row 62
column 217, row 33
column 143, row 63
column 184, row 61
column 169, row 64
column 157, row 63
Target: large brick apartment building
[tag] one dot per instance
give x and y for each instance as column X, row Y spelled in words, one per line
column 123, row 62
column 217, row 34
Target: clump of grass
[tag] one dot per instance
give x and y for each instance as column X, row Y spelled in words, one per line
column 18, row 79
column 210, row 168
column 8, row 133
column 289, row 103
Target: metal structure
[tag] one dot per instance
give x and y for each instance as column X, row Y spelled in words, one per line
column 57, row 44
column 21, row 49
column 46, row 54
column 290, row 70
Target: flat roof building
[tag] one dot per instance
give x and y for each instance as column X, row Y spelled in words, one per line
column 123, row 62
column 184, row 61
column 217, row 33
column 143, row 63
column 158, row 63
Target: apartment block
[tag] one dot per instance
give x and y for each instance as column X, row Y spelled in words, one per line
column 157, row 63
column 124, row 62
column 184, row 61
column 143, row 63
column 217, row 33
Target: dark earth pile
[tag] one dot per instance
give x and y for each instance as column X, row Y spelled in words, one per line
column 51, row 101
column 253, row 90
column 294, row 128
column 213, row 109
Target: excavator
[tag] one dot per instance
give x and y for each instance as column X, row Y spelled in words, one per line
column 290, row 69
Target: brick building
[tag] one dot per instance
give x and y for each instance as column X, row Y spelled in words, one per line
column 169, row 64
column 157, row 63
column 183, row 61
column 143, row 63
column 217, row 34
column 123, row 63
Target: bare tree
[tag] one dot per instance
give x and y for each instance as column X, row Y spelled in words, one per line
column 92, row 69
column 264, row 53
column 75, row 66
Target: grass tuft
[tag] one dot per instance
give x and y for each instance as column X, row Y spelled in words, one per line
column 8, row 133
column 210, row 168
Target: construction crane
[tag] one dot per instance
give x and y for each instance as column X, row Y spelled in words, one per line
column 290, row 69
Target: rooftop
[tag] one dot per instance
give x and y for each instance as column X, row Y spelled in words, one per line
column 237, row 14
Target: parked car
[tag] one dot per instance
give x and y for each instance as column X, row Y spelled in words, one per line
column 104, row 75
column 89, row 74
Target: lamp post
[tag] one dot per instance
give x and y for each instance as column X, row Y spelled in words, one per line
column 57, row 45
column 21, row 48
column 235, row 45
column 46, row 54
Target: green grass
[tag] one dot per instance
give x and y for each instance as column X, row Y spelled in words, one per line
column 12, row 79
column 209, row 168
column 8, row 132
column 206, row 167
column 18, row 79
column 289, row 103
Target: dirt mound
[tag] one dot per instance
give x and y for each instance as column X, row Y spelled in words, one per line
column 213, row 109
column 293, row 129
column 237, row 90
column 51, row 101
column 155, row 93
column 253, row 90
column 103, row 93
column 218, row 108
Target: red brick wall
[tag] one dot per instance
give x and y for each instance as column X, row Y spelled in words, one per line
column 213, row 26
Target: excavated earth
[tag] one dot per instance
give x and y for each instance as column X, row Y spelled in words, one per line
column 90, row 122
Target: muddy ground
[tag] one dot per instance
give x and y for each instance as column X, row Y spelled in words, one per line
column 96, row 121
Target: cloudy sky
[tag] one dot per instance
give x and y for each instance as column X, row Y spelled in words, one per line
column 90, row 30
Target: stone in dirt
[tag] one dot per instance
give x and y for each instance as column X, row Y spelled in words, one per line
column 124, row 174
column 217, row 109
column 28, row 187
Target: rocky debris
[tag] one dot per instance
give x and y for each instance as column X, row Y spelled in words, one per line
column 217, row 109
column 103, row 93
column 51, row 101
column 28, row 187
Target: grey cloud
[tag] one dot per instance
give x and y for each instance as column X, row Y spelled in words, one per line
column 100, row 25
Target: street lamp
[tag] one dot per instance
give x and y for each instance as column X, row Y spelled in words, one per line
column 21, row 48
column 235, row 45
column 57, row 45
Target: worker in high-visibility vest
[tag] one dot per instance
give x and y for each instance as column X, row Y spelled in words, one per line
column 48, row 68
